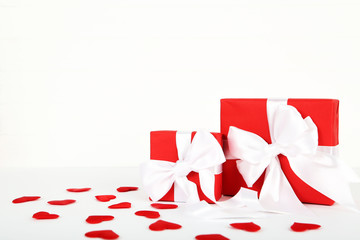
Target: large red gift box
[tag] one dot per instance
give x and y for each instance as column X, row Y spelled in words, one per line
column 163, row 147
column 251, row 115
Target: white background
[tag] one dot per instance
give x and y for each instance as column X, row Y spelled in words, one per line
column 82, row 82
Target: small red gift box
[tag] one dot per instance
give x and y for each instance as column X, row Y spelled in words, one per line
column 163, row 147
column 251, row 115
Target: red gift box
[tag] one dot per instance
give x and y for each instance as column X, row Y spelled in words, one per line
column 163, row 147
column 251, row 115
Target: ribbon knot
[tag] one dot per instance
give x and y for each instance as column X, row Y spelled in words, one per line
column 274, row 149
column 181, row 169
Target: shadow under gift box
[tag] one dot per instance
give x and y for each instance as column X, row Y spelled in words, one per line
column 251, row 115
column 163, row 147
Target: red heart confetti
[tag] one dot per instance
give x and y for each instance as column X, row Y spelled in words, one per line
column 249, row 226
column 44, row 215
column 148, row 214
column 62, row 202
column 99, row 218
column 127, row 189
column 104, row 234
column 161, row 225
column 164, row 206
column 211, row 237
column 78, row 189
column 302, row 227
column 120, row 205
column 105, row 198
column 25, row 199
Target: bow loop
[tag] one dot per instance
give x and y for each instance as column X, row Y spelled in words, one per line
column 253, row 152
column 157, row 178
column 204, row 152
column 246, row 145
column 295, row 134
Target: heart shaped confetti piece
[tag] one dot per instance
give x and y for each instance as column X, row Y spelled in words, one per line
column 99, row 218
column 127, row 189
column 302, row 227
column 104, row 234
column 120, row 205
column 249, row 226
column 148, row 214
column 61, row 202
column 25, row 199
column 105, row 198
column 163, row 206
column 78, row 189
column 161, row 225
column 44, row 215
column 211, row 237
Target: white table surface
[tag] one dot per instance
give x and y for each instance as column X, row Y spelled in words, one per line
column 16, row 219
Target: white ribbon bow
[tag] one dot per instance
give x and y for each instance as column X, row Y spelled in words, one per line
column 297, row 139
column 203, row 155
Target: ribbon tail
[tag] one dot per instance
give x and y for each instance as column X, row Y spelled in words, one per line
column 277, row 194
column 251, row 172
column 185, row 191
column 244, row 198
column 207, row 183
column 328, row 180
column 244, row 205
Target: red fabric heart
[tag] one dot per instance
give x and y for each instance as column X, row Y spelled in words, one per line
column 127, row 189
column 302, row 227
column 120, row 205
column 44, row 215
column 62, row 202
column 148, row 214
column 25, row 199
column 164, row 206
column 161, row 225
column 105, row 198
column 78, row 189
column 211, row 237
column 99, row 218
column 104, row 234
column 249, row 226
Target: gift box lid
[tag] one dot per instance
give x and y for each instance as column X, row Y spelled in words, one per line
column 251, row 115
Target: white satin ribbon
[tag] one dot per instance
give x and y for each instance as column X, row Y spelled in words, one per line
column 243, row 207
column 245, row 199
column 297, row 139
column 203, row 155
